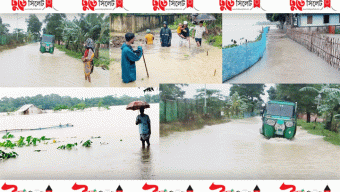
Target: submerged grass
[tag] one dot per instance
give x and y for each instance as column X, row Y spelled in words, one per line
column 168, row 128
column 318, row 129
column 102, row 61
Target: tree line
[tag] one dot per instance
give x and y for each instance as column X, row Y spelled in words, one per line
column 57, row 102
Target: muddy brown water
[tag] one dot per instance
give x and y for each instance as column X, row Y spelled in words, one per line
column 175, row 64
column 25, row 66
column 286, row 61
column 116, row 160
column 236, row 150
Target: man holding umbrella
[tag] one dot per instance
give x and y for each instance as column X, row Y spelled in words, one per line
column 165, row 35
column 144, row 123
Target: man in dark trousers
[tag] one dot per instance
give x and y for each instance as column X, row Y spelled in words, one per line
column 165, row 35
column 144, row 123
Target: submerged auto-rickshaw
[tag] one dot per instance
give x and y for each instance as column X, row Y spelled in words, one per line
column 47, row 43
column 279, row 119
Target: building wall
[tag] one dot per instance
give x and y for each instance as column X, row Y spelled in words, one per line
column 137, row 23
column 318, row 20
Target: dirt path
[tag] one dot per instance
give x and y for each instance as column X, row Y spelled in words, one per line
column 236, row 150
column 171, row 65
column 286, row 61
column 26, row 67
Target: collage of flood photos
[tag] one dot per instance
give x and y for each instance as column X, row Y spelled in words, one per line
column 201, row 96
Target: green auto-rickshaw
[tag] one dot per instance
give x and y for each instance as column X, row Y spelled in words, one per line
column 279, row 119
column 47, row 43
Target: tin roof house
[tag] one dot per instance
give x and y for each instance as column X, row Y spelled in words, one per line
column 28, row 109
column 319, row 22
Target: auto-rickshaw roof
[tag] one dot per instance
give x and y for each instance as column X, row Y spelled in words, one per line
column 282, row 103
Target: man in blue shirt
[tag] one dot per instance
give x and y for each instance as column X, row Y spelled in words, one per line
column 144, row 123
column 129, row 58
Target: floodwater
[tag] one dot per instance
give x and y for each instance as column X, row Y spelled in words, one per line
column 175, row 64
column 25, row 66
column 236, row 150
column 107, row 158
column 286, row 61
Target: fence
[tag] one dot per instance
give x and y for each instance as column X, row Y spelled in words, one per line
column 325, row 47
column 238, row 59
column 183, row 110
column 3, row 40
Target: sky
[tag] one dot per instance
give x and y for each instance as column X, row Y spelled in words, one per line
column 19, row 20
column 190, row 90
column 74, row 92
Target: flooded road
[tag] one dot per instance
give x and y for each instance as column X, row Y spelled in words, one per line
column 118, row 154
column 236, row 150
column 175, row 64
column 25, row 66
column 286, row 61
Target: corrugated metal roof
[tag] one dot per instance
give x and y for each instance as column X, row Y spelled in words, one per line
column 24, row 107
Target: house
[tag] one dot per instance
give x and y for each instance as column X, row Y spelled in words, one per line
column 320, row 22
column 28, row 109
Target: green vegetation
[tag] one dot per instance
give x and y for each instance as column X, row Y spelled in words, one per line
column 4, row 155
column 181, row 19
column 230, row 46
column 56, row 102
column 8, row 136
column 319, row 129
column 102, row 61
column 215, row 40
column 67, row 146
column 87, row 143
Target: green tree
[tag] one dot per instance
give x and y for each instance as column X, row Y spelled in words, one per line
column 251, row 92
column 171, row 91
column 34, row 26
column 54, row 25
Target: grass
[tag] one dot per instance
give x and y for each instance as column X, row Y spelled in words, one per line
column 168, row 128
column 12, row 46
column 216, row 41
column 318, row 129
column 230, row 46
column 102, row 61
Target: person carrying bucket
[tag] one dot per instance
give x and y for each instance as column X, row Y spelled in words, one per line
column 165, row 35
column 129, row 58
column 88, row 58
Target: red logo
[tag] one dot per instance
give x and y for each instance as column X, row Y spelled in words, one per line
column 239, row 5
column 148, row 187
column 221, row 188
column 18, row 4
column 84, row 188
column 310, row 5
column 102, row 4
column 14, row 188
column 292, row 188
column 172, row 4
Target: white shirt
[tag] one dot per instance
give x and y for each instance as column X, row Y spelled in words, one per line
column 199, row 31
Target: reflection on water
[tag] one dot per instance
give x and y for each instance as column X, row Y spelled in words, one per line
column 236, row 150
column 175, row 64
column 116, row 155
column 25, row 66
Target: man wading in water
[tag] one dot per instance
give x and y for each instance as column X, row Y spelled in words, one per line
column 165, row 35
column 129, row 57
column 143, row 121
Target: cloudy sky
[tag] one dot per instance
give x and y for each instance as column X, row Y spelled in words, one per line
column 73, row 92
column 190, row 90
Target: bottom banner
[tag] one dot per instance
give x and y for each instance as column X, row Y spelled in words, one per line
column 170, row 186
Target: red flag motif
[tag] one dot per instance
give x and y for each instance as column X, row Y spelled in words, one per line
column 48, row 3
column 327, row 3
column 257, row 3
column 119, row 4
column 190, row 3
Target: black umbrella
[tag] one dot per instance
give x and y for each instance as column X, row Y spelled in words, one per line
column 204, row 17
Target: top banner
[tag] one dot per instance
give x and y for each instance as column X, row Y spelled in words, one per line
column 170, row 6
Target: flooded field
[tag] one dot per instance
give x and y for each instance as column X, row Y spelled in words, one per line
column 286, row 61
column 25, row 66
column 175, row 64
column 116, row 155
column 236, row 150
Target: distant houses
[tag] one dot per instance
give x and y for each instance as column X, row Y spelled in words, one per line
column 28, row 109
